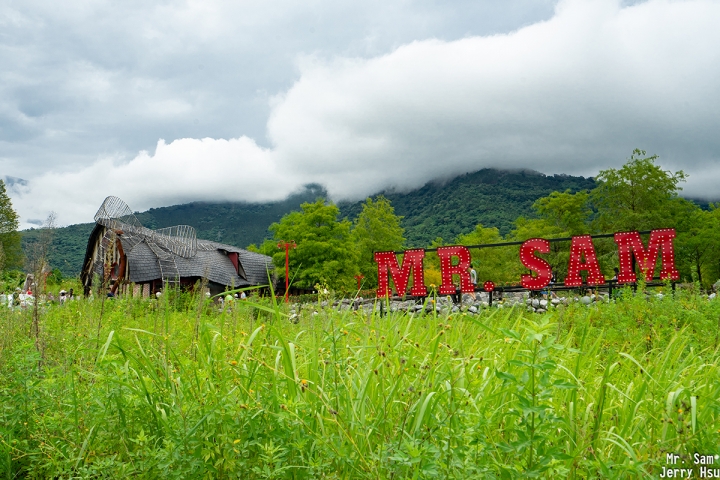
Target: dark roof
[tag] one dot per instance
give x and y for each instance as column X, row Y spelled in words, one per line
column 211, row 261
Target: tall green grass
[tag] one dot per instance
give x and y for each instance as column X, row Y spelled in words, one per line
column 176, row 388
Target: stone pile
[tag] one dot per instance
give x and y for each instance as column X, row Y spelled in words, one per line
column 444, row 304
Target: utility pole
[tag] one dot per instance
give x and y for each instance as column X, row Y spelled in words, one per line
column 287, row 246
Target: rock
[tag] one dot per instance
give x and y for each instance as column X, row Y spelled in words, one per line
column 455, row 310
column 472, row 309
column 543, row 303
column 586, row 300
column 535, row 302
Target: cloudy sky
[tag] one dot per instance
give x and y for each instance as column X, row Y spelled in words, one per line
column 168, row 102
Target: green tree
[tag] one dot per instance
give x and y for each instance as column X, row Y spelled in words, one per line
column 267, row 247
column 568, row 212
column 698, row 246
column 11, row 255
column 377, row 229
column 638, row 196
column 499, row 265
column 324, row 253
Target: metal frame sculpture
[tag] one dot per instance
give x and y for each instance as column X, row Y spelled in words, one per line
column 166, row 243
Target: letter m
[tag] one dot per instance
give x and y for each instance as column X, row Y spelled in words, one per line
column 630, row 244
column 412, row 262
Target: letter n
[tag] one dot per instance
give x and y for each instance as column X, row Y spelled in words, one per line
column 582, row 246
column 412, row 260
column 447, row 269
column 536, row 264
column 629, row 244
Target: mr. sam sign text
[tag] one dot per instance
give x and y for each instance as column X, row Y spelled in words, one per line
column 456, row 260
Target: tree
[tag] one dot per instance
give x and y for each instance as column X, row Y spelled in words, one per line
column 638, row 196
column 377, row 229
column 11, row 255
column 568, row 212
column 697, row 246
column 324, row 252
column 498, row 265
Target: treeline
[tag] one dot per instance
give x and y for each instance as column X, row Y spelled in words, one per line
column 334, row 251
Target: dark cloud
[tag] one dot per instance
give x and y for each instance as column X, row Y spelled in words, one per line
column 256, row 99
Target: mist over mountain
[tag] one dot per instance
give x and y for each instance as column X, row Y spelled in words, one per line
column 446, row 209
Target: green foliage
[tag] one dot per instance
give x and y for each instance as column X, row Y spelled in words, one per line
column 324, row 253
column 267, row 247
column 567, row 212
column 698, row 249
column 582, row 392
column 55, row 277
column 638, row 196
column 376, row 229
column 68, row 246
column 11, row 255
column 11, row 279
column 492, row 197
column 499, row 265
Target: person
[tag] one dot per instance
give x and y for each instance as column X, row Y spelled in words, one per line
column 617, row 274
column 553, row 281
column 473, row 280
column 242, row 295
column 62, row 298
column 457, row 297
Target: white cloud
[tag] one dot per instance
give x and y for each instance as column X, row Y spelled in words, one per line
column 184, row 170
column 572, row 94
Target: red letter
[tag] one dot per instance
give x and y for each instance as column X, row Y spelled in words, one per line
column 629, row 243
column 580, row 247
column 447, row 269
column 412, row 260
column 539, row 265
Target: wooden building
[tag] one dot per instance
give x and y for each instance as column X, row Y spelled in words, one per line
column 121, row 252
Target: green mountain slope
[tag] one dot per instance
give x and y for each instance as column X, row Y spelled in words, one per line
column 491, row 197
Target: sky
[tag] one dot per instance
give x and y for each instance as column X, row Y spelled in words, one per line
column 169, row 102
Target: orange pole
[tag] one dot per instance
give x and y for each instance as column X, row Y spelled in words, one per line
column 287, row 246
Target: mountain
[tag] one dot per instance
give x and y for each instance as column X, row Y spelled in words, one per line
column 494, row 198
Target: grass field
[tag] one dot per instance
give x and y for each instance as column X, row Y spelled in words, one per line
column 173, row 388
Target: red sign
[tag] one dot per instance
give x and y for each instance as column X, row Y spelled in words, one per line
column 456, row 260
